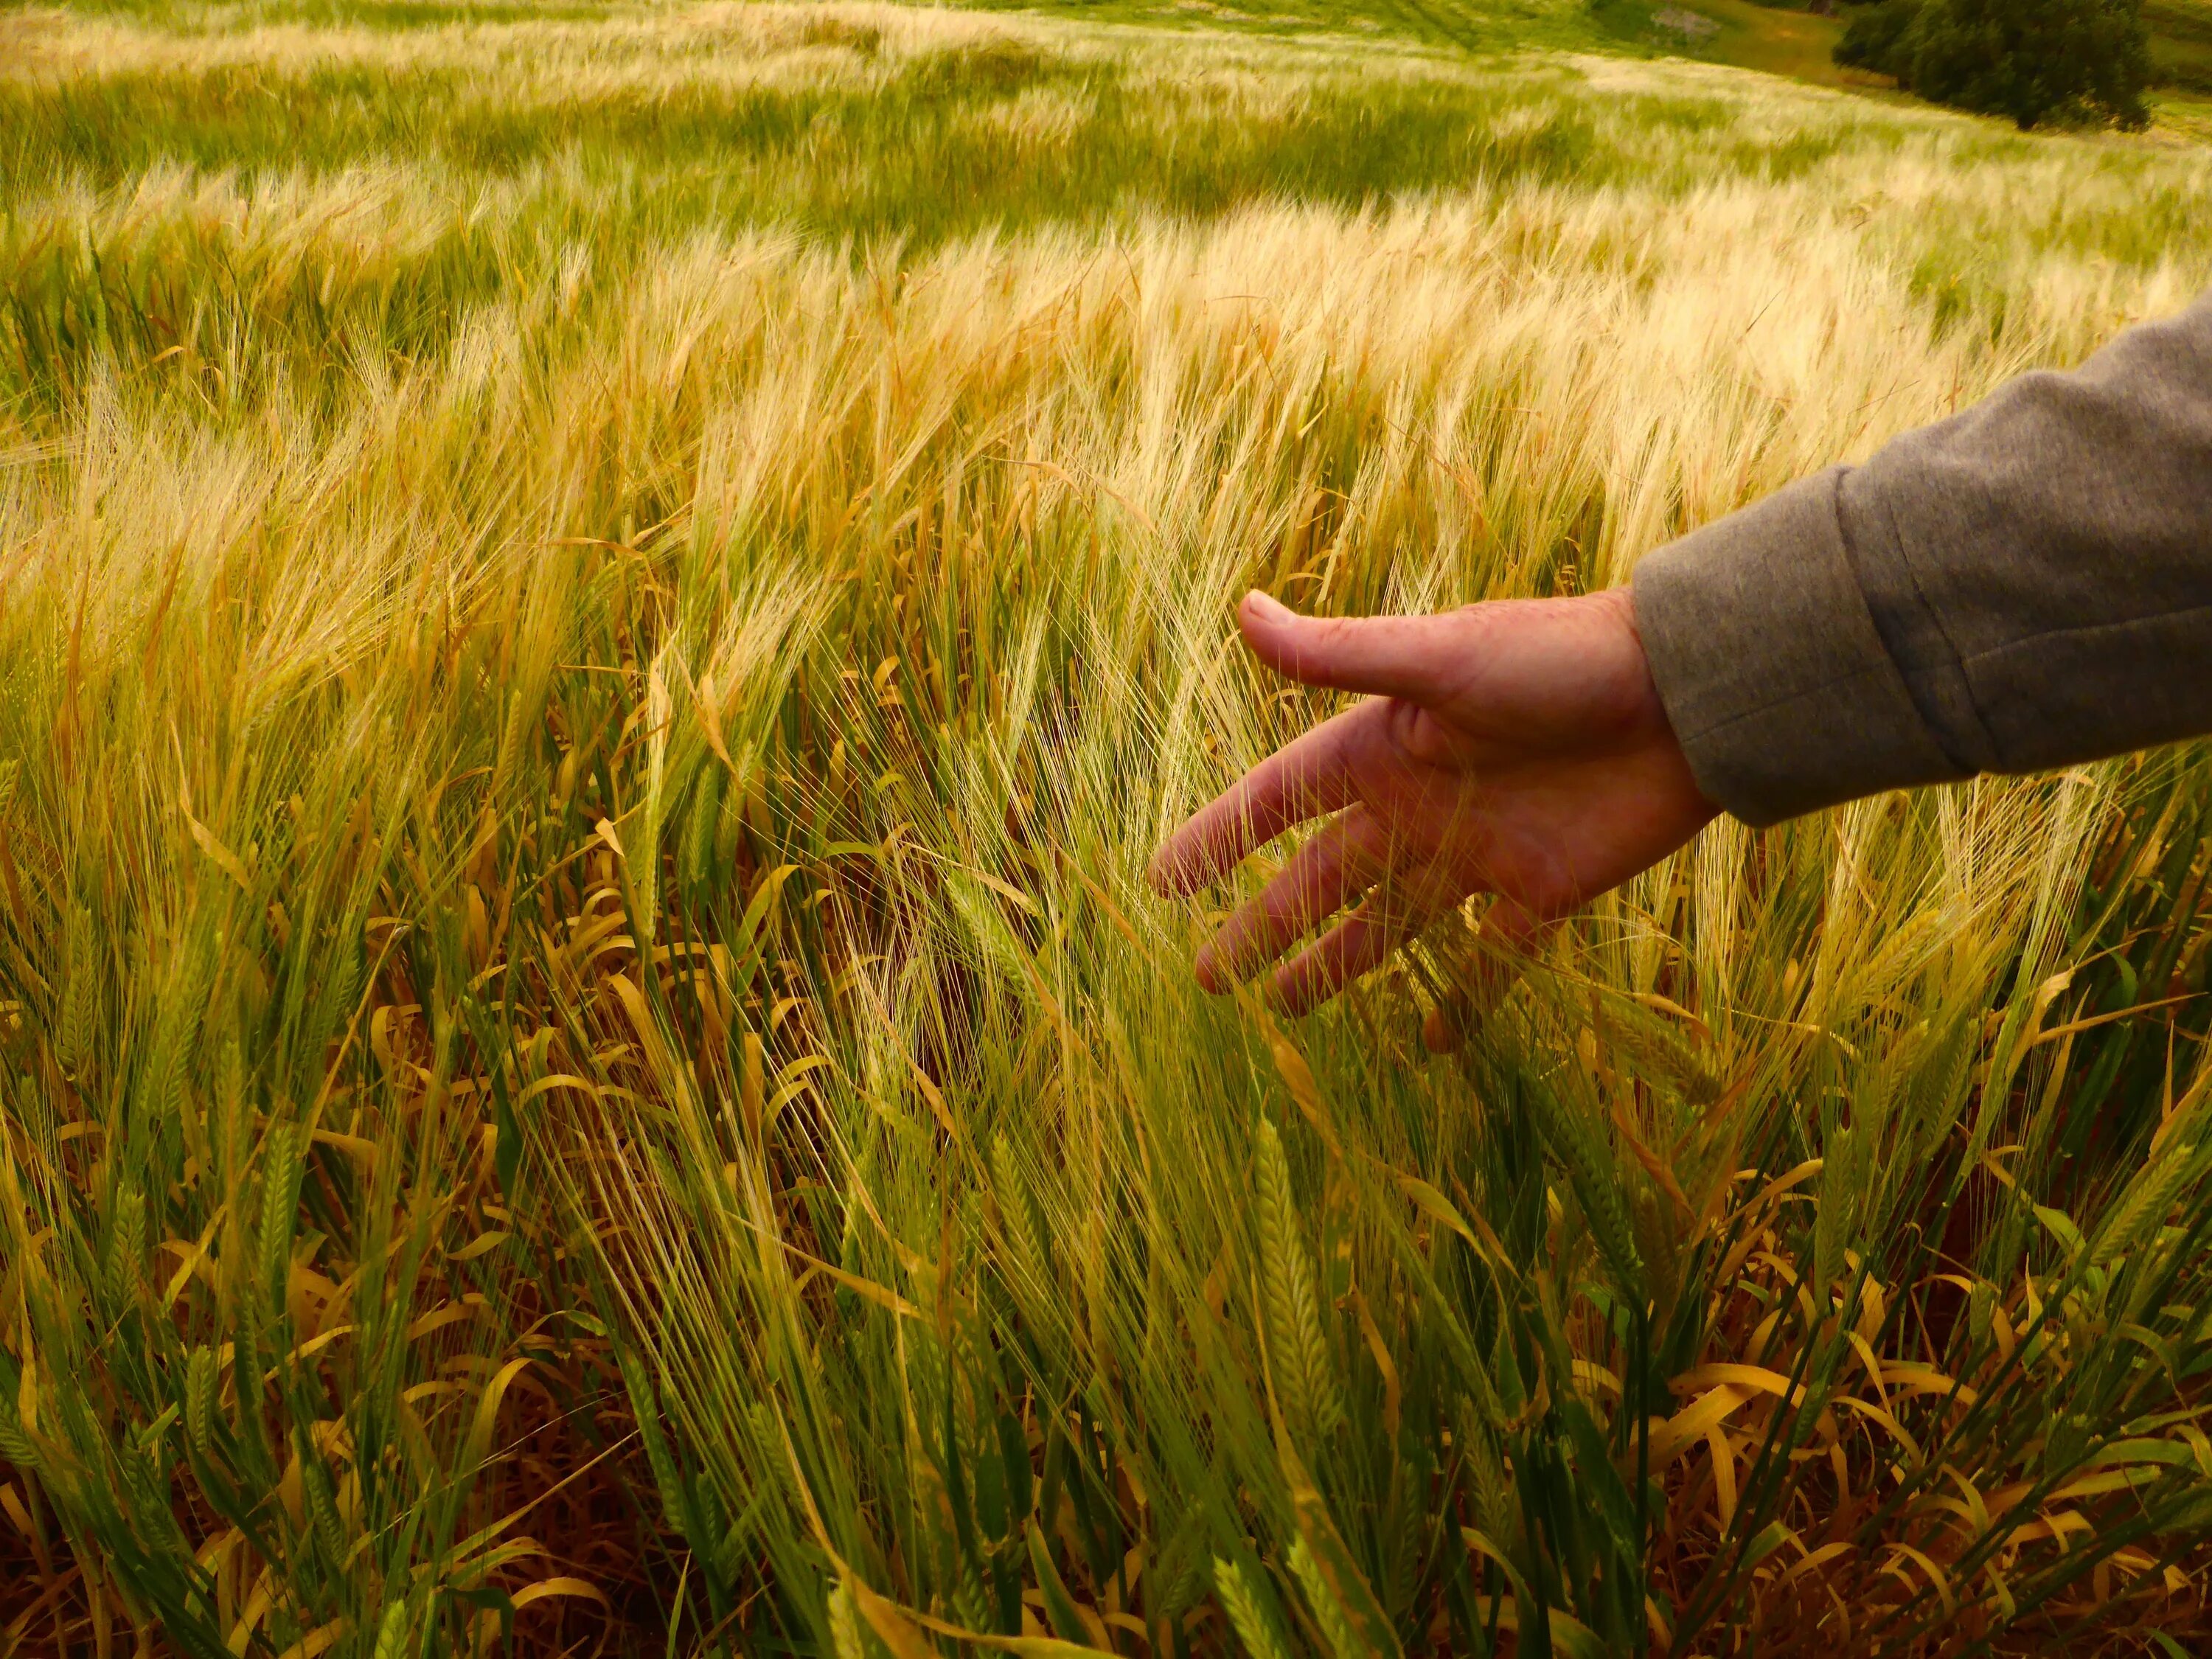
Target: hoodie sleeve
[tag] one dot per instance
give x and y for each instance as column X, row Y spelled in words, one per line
column 2024, row 586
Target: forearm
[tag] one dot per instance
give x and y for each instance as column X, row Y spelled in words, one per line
column 2025, row 586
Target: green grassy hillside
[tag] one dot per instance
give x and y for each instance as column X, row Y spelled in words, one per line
column 2181, row 43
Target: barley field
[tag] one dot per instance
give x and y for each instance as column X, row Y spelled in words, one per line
column 601, row 605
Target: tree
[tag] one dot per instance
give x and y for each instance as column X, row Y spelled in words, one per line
column 2038, row 61
column 1876, row 38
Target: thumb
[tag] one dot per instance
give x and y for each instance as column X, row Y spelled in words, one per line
column 1391, row 656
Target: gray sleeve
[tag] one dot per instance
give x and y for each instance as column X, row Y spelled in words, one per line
column 2026, row 584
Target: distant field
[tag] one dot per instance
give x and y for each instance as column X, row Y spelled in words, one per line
column 1774, row 39
column 600, row 607
column 1780, row 40
column 2181, row 43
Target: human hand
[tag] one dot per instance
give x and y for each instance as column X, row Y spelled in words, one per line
column 1516, row 748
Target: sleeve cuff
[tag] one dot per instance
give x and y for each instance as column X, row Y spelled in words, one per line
column 1769, row 663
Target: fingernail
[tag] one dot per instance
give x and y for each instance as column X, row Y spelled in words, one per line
column 1267, row 607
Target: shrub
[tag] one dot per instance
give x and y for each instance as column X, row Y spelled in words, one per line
column 1875, row 38
column 2039, row 60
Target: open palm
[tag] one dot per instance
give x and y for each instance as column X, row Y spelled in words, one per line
column 1516, row 748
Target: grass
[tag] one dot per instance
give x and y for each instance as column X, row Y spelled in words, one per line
column 1782, row 40
column 601, row 612
column 1746, row 33
column 2181, row 43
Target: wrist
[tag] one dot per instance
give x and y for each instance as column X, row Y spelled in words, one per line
column 1629, row 688
column 1778, row 685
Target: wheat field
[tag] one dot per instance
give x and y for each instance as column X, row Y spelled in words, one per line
column 600, row 607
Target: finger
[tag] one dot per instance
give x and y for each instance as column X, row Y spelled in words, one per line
column 1391, row 656
column 1475, row 981
column 1444, row 1027
column 1359, row 943
column 1512, row 927
column 1508, row 933
column 1303, row 779
column 1337, row 863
